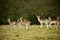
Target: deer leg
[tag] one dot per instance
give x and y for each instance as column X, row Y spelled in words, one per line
column 41, row 25
column 18, row 25
column 47, row 25
column 56, row 25
column 14, row 27
column 50, row 24
column 26, row 26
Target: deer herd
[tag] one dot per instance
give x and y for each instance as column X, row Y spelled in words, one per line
column 22, row 21
column 19, row 22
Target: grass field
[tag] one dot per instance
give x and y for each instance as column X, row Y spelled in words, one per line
column 33, row 33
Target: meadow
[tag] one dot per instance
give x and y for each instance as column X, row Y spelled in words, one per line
column 34, row 32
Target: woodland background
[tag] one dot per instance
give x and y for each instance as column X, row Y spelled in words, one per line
column 15, row 9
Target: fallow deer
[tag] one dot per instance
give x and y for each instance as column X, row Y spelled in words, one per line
column 55, row 22
column 42, row 21
column 11, row 23
column 19, row 21
column 24, row 22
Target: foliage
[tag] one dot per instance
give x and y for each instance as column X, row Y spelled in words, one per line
column 17, row 8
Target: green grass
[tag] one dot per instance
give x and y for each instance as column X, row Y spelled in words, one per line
column 33, row 33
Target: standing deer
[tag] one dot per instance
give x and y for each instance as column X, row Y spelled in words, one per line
column 52, row 21
column 24, row 22
column 55, row 22
column 11, row 23
column 19, row 21
column 42, row 21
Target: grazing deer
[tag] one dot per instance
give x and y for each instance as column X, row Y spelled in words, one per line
column 24, row 22
column 42, row 21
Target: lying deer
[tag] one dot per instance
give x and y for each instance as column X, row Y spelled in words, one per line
column 42, row 21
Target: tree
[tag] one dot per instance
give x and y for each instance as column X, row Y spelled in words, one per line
column 28, row 9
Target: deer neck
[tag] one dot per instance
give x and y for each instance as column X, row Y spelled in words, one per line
column 9, row 21
column 39, row 19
